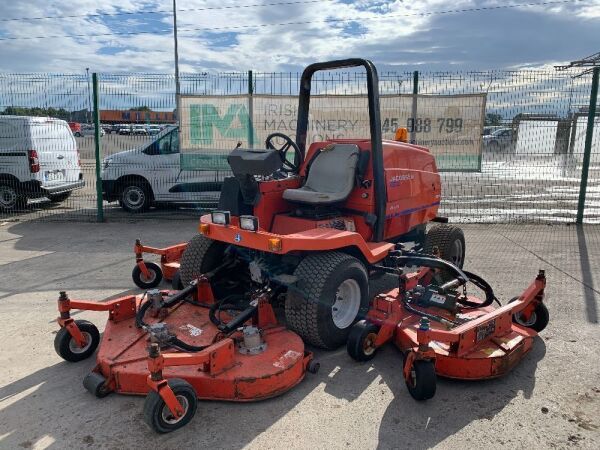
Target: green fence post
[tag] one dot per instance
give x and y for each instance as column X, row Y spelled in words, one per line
column 413, row 134
column 99, row 205
column 587, row 149
column 250, row 111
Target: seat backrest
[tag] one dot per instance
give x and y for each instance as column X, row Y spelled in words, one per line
column 333, row 170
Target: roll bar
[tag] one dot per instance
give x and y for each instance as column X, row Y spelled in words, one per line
column 374, row 124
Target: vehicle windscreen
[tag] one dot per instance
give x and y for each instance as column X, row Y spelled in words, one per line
column 52, row 136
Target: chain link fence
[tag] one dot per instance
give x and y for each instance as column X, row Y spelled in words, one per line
column 509, row 144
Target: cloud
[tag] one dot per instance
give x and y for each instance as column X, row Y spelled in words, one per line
column 395, row 34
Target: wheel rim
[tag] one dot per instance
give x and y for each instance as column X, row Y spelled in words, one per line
column 134, row 197
column 456, row 253
column 168, row 416
column 8, row 197
column 74, row 348
column 347, row 303
column 369, row 344
column 149, row 279
column 526, row 323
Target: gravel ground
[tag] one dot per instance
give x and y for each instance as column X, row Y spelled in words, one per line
column 551, row 399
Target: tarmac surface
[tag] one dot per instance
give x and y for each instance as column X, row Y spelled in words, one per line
column 550, row 400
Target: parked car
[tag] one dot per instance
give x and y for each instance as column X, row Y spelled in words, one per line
column 89, row 130
column 38, row 158
column 153, row 129
column 139, row 130
column 75, row 128
column 499, row 140
column 124, row 129
column 152, row 174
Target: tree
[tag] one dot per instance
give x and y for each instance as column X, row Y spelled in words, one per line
column 493, row 119
column 140, row 108
column 59, row 113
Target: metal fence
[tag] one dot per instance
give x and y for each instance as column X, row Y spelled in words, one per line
column 510, row 144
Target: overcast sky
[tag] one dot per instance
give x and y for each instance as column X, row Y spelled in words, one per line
column 394, row 34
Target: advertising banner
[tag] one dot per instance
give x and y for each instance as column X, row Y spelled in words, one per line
column 449, row 125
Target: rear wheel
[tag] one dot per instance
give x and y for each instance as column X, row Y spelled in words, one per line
column 135, row 197
column 332, row 292
column 448, row 241
column 10, row 198
column 59, row 197
column 200, row 256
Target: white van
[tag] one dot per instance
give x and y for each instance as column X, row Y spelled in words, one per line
column 152, row 174
column 38, row 158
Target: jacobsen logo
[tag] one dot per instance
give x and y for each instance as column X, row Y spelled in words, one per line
column 397, row 179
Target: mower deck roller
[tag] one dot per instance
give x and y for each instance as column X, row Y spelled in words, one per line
column 176, row 347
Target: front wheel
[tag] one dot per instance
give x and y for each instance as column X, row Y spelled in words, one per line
column 69, row 350
column 331, row 294
column 361, row 341
column 144, row 282
column 538, row 319
column 422, row 381
column 158, row 415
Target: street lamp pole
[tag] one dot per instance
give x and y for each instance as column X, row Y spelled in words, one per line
column 177, row 90
column 87, row 71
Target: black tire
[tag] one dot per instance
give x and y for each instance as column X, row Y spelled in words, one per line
column 176, row 283
column 308, row 305
column 68, row 350
column 95, row 384
column 538, row 320
column 141, row 281
column 449, row 241
column 58, row 198
column 423, row 380
column 200, row 256
column 361, row 339
column 77, row 134
column 494, row 146
column 157, row 414
column 135, row 197
column 10, row 197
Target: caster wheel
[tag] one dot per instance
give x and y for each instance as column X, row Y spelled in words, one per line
column 313, row 366
column 538, row 320
column 176, row 282
column 147, row 283
column 67, row 348
column 95, row 384
column 361, row 341
column 422, row 382
column 157, row 414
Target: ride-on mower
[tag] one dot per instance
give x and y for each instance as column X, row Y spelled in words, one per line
column 303, row 226
column 311, row 222
column 443, row 330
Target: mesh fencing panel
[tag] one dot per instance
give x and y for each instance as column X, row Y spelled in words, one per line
column 509, row 144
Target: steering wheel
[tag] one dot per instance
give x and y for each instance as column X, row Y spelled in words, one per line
column 287, row 165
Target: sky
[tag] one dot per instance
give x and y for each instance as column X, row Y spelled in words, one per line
column 221, row 35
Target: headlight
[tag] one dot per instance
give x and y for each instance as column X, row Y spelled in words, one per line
column 220, row 217
column 249, row 223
